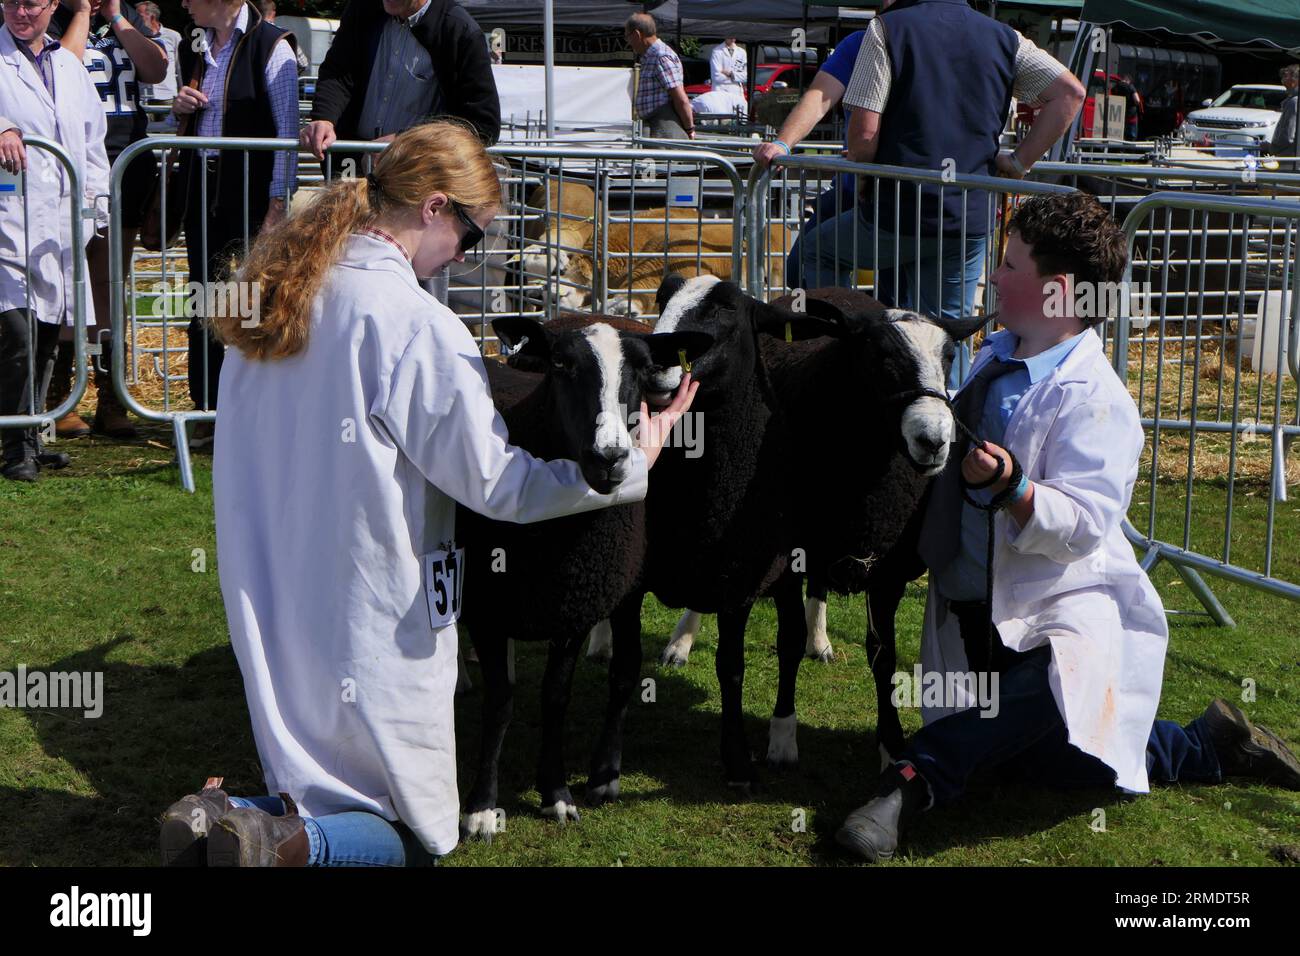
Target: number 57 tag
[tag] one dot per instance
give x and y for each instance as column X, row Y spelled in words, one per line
column 443, row 579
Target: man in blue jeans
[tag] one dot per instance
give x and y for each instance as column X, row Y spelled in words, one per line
column 1069, row 625
column 931, row 90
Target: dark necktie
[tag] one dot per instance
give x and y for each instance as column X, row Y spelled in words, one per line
column 941, row 528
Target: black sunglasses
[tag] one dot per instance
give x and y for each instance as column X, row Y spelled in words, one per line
column 473, row 232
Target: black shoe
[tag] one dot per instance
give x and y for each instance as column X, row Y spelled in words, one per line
column 1249, row 750
column 247, row 836
column 873, row 831
column 53, row 460
column 22, row 469
column 187, row 823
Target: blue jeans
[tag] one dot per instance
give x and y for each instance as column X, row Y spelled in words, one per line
column 829, row 204
column 928, row 279
column 354, row 838
column 1028, row 739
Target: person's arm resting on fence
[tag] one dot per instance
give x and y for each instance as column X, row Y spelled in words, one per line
column 1041, row 80
column 819, row 99
column 334, row 83
column 282, row 88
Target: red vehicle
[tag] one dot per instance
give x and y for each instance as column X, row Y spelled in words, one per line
column 1026, row 114
column 769, row 76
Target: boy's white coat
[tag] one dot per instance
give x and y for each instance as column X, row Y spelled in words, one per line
column 1070, row 577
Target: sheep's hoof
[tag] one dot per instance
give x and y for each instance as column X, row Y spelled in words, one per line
column 745, row 789
column 562, row 810
column 782, row 744
column 825, row 655
column 674, row 657
column 601, row 794
column 481, row 825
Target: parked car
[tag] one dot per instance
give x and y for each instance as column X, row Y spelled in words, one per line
column 1238, row 120
column 769, row 77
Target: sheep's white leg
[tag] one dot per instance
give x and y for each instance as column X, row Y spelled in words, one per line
column 678, row 651
column 819, row 644
column 782, row 745
column 601, row 645
column 483, row 824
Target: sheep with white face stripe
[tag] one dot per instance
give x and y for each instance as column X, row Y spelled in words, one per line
column 720, row 529
column 868, row 428
column 554, row 580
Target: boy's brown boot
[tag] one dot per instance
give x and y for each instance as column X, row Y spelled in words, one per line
column 1249, row 750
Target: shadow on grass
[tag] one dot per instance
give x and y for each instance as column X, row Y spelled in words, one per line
column 162, row 732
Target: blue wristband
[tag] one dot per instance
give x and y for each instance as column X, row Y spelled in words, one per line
column 113, row 20
column 1021, row 489
column 783, row 144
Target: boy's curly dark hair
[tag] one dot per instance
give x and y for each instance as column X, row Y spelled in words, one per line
column 1072, row 233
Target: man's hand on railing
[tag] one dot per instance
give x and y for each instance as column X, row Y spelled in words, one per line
column 13, row 154
column 764, row 153
column 317, row 136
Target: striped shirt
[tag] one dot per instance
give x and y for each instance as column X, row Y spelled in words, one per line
column 281, row 87
column 661, row 70
column 1036, row 70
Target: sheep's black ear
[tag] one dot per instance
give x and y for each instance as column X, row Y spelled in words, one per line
column 666, row 348
column 820, row 318
column 514, row 331
column 963, row 328
column 668, row 288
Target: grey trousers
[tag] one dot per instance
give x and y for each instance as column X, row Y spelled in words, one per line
column 664, row 124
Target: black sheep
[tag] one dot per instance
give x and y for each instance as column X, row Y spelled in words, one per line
column 553, row 580
column 868, row 429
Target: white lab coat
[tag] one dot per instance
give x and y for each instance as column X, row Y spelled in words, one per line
column 723, row 59
column 79, row 126
column 334, row 471
column 1069, row 577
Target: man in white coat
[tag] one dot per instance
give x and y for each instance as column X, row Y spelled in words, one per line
column 1074, row 632
column 727, row 66
column 44, row 91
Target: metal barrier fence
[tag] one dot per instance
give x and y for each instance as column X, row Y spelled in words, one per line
column 16, row 187
column 542, row 252
column 1260, row 235
column 1277, row 420
column 793, row 186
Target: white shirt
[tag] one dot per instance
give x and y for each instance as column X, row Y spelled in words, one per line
column 723, row 60
column 166, row 88
column 323, row 516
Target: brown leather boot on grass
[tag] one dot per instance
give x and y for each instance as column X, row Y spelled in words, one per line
column 1245, row 749
column 110, row 415
column 70, row 425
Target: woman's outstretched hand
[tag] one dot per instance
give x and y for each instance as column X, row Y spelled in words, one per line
column 653, row 430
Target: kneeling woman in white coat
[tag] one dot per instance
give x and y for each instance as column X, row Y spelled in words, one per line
column 355, row 414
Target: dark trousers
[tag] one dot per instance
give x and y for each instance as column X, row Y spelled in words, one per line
column 1027, row 739
column 211, row 242
column 20, row 393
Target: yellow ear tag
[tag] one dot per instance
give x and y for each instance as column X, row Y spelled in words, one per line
column 789, row 333
column 681, row 357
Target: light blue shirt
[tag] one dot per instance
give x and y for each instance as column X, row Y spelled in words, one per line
column 966, row 579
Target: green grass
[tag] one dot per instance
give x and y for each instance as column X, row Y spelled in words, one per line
column 96, row 573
